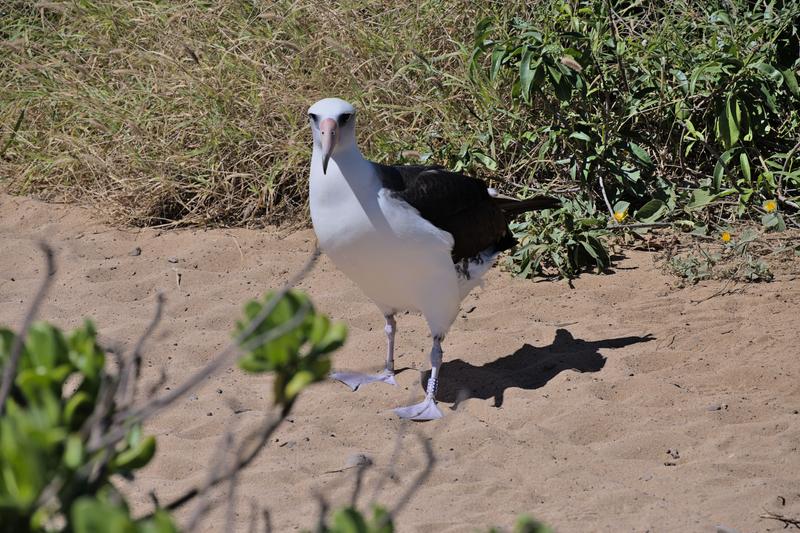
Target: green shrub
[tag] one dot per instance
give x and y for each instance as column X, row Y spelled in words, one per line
column 58, row 450
column 657, row 111
column 54, row 474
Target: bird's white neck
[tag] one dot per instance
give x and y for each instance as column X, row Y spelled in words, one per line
column 346, row 163
column 350, row 183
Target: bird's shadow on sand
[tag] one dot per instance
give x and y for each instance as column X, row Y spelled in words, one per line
column 528, row 368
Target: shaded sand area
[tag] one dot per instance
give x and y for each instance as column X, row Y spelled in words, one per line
column 621, row 404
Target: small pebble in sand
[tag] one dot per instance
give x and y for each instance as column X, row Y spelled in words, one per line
column 717, row 407
column 136, row 251
column 172, row 259
column 674, row 453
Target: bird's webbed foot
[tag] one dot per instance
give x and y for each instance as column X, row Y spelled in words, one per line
column 425, row 410
column 355, row 379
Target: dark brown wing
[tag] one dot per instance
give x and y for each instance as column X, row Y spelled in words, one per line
column 458, row 204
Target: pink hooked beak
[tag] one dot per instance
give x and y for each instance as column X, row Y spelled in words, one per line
column 327, row 129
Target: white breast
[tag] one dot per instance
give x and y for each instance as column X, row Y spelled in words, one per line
column 400, row 260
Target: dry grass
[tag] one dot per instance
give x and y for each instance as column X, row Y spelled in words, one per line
column 193, row 112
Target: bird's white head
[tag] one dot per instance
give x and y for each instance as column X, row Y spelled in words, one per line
column 333, row 124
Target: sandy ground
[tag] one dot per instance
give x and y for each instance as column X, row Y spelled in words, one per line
column 620, row 404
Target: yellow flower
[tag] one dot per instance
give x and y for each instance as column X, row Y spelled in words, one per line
column 770, row 206
column 726, row 237
column 619, row 216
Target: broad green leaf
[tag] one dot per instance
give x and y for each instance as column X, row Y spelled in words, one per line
column 620, row 205
column 770, row 71
column 251, row 363
column 526, row 73
column 744, row 163
column 603, row 260
column 700, row 198
column 161, row 522
column 651, row 211
column 640, row 153
column 319, row 328
column 73, row 452
column 45, row 345
column 482, row 29
column 580, row 136
column 348, row 520
column 78, row 407
column 90, row 515
column 381, row 521
column 84, row 352
column 720, row 168
column 773, row 221
column 728, row 122
column 485, row 160
column 135, row 435
column 298, row 382
column 791, row 81
column 136, row 457
column 591, row 251
column 334, row 338
column 693, row 131
column 498, row 54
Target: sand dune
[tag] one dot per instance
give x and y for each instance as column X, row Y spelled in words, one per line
column 577, row 394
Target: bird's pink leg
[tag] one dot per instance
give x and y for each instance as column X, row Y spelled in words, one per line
column 427, row 409
column 355, row 379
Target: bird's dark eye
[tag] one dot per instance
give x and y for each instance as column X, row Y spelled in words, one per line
column 313, row 117
column 343, row 118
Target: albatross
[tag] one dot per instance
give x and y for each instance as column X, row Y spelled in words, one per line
column 413, row 238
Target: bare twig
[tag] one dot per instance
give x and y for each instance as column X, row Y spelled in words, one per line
column 361, row 469
column 790, row 155
column 641, row 225
column 129, row 375
column 420, row 480
column 230, row 512
column 153, row 389
column 217, row 460
column 243, row 458
column 608, row 204
column 322, row 510
column 129, row 417
column 267, row 521
column 10, row 370
column 253, row 516
column 93, row 426
column 787, row 521
column 786, row 202
column 391, row 474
